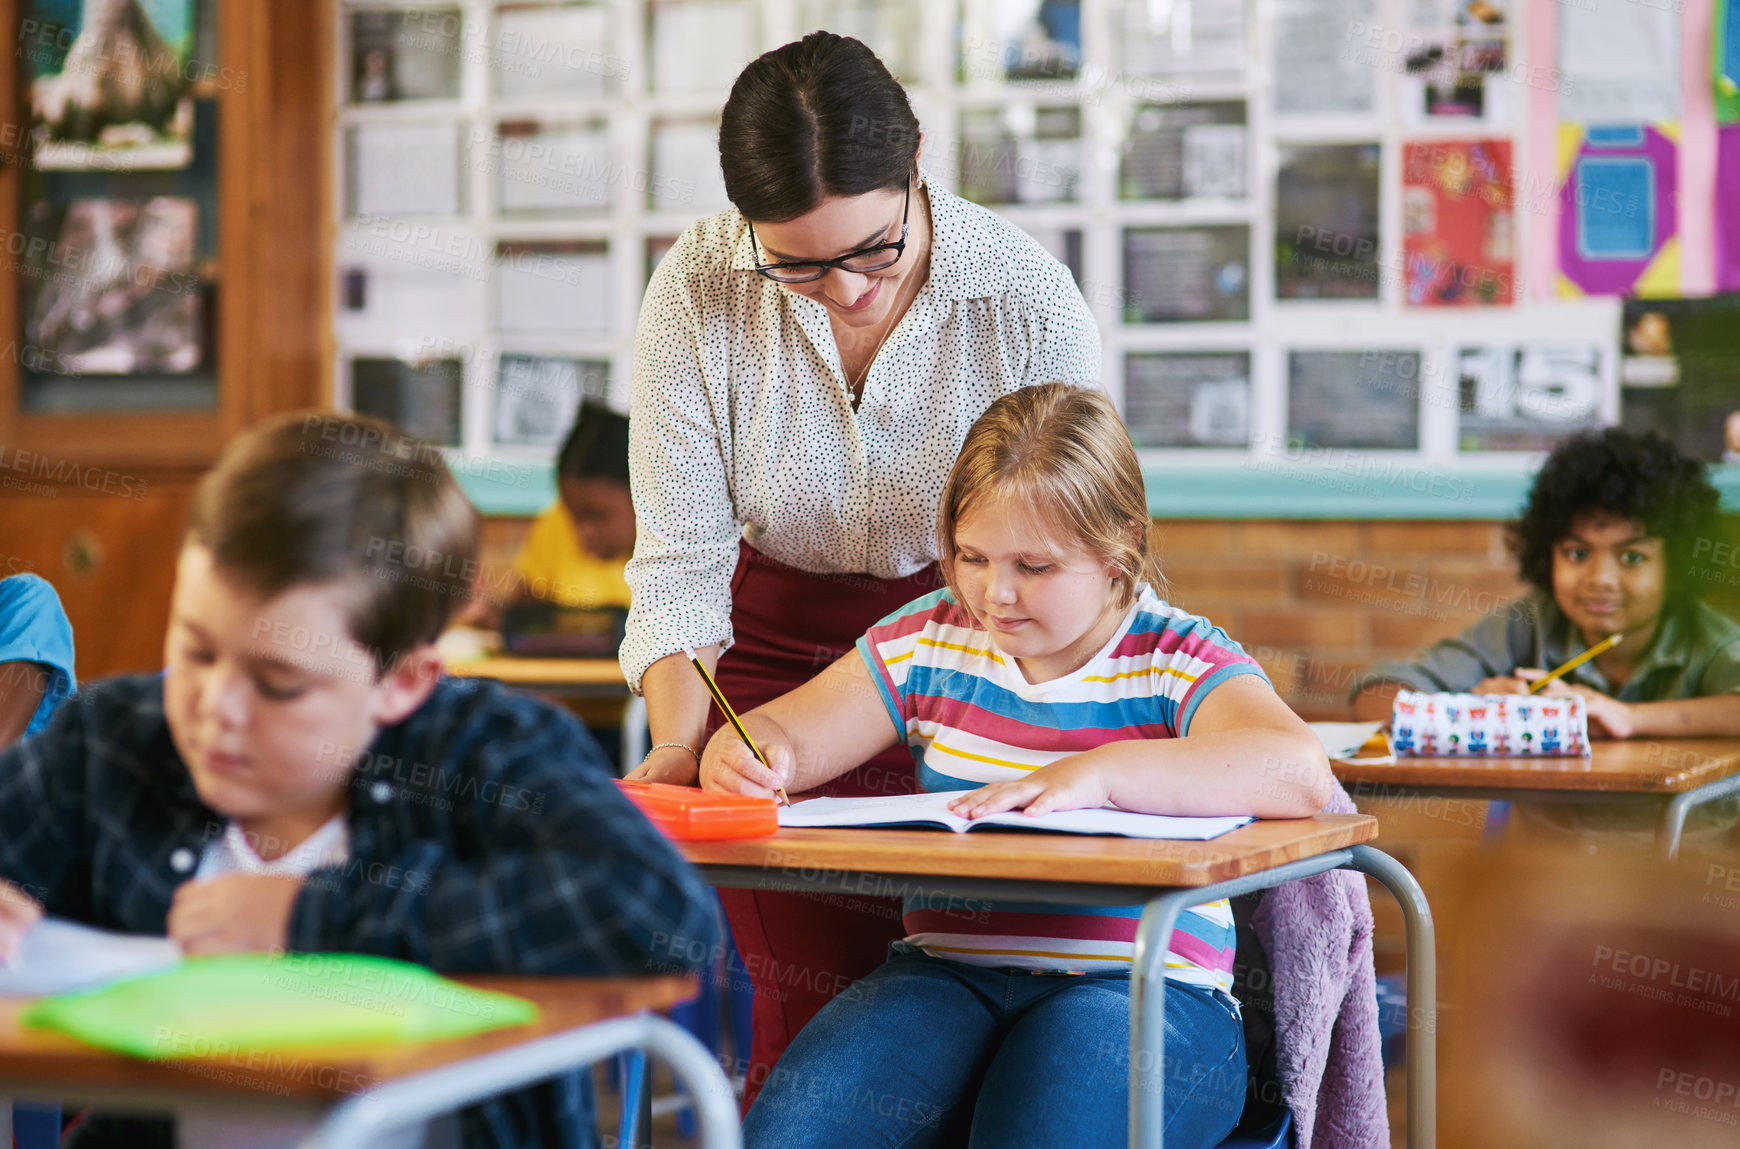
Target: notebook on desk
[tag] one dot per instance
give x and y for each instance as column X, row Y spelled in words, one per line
column 540, row 629
column 932, row 810
column 58, row 956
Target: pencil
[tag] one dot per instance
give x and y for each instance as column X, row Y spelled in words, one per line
column 731, row 717
column 1598, row 649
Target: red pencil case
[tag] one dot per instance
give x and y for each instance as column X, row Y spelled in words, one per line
column 686, row 814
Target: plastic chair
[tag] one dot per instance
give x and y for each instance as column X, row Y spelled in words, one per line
column 35, row 1126
column 1274, row 1135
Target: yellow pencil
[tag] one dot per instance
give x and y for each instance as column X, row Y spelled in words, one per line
column 1595, row 651
column 731, row 717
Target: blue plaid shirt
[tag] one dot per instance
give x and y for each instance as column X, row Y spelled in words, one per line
column 485, row 837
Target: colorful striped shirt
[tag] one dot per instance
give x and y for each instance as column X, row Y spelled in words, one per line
column 970, row 717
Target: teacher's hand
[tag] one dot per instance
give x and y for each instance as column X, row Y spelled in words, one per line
column 671, row 764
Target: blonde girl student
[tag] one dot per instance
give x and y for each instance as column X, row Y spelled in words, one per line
column 1048, row 675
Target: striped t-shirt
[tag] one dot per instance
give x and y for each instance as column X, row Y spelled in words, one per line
column 970, row 718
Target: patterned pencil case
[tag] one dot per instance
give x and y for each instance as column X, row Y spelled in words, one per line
column 1488, row 725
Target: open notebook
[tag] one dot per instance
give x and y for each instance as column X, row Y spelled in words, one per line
column 58, row 956
column 932, row 810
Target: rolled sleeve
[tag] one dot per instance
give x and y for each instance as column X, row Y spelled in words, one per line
column 687, row 530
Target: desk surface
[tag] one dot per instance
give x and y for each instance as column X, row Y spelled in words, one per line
column 1036, row 857
column 542, row 671
column 1642, row 766
column 329, row 1073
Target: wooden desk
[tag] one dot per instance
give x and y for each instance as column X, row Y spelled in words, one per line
column 366, row 1091
column 569, row 678
column 1682, row 773
column 1168, row 876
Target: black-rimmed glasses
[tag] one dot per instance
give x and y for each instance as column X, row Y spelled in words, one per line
column 877, row 258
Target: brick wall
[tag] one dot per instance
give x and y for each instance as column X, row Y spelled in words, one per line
column 1317, row 602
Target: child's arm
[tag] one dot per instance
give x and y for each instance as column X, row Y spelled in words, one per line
column 543, row 868
column 1715, row 716
column 1245, row 753
column 810, row 735
column 1480, row 660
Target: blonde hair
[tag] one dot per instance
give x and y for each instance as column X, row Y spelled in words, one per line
column 1063, row 454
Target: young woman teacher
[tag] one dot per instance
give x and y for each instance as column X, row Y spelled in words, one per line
column 807, row 365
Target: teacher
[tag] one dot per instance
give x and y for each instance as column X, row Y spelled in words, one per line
column 807, row 364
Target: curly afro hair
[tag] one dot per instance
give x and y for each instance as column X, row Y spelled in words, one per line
column 1643, row 478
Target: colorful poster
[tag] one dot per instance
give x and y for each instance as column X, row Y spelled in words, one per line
column 1457, row 223
column 1617, row 222
column 1727, row 193
column 1727, row 62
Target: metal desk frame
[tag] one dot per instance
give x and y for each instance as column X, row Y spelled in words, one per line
column 1153, row 938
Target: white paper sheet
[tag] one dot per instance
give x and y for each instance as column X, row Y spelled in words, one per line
column 58, row 956
column 1343, row 739
column 933, row 808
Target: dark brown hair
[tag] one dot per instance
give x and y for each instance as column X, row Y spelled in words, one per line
column 317, row 497
column 819, row 117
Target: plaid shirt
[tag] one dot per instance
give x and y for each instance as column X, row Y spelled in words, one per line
column 485, row 837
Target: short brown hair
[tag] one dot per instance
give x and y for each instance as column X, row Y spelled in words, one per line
column 1061, row 451
column 318, row 497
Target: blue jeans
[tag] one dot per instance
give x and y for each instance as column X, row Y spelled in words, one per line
column 924, row 1050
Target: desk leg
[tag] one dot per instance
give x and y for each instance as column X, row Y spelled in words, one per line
column 1148, row 983
column 360, row 1122
column 1422, row 991
column 1673, row 816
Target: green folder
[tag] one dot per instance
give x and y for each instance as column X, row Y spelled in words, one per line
column 215, row 1006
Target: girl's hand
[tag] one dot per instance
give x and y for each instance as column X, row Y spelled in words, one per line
column 1608, row 717
column 670, row 764
column 1073, row 783
column 730, row 766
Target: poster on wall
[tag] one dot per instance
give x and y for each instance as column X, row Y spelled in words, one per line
column 1458, row 228
column 1528, row 397
column 1727, row 63
column 537, row 396
column 1325, row 74
column 1188, row 399
column 1619, row 63
column 1185, row 151
column 109, row 84
column 111, row 288
column 1354, row 399
column 1727, row 192
column 1617, row 222
column 1326, row 222
column 1187, row 274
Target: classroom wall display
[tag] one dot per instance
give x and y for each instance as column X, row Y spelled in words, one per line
column 1621, row 62
column 537, row 396
column 110, row 289
column 407, row 55
column 1323, row 71
column 1187, row 274
column 1188, row 399
column 1185, row 151
column 560, row 51
column 1326, row 221
column 421, row 399
column 1019, row 153
column 699, row 45
column 553, row 289
column 108, row 84
column 1205, row 40
column 405, row 169
column 1458, row 226
column 889, row 27
column 1681, row 358
column 684, row 161
column 545, row 168
column 1366, row 399
column 1020, row 39
column 1527, row 397
column 1454, row 57
column 1726, row 63
column 1617, row 209
column 1728, row 192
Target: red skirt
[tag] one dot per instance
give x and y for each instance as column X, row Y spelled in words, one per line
column 802, row 949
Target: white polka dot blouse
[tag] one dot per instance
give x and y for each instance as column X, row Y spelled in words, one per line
column 741, row 420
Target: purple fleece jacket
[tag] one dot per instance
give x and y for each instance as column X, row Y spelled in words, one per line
column 1317, row 932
